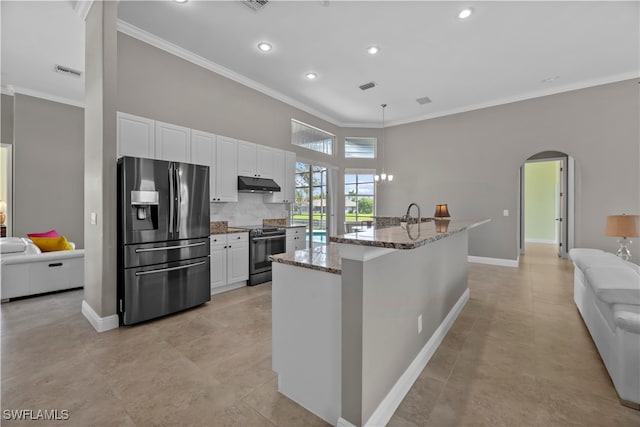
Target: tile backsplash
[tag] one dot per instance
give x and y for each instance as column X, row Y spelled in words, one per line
column 249, row 210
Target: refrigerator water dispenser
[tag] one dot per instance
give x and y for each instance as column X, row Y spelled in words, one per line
column 144, row 210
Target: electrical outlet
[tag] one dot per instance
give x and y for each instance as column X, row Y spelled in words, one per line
column 420, row 324
column 505, row 212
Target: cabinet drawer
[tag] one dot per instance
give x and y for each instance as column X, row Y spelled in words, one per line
column 298, row 231
column 237, row 237
column 218, row 239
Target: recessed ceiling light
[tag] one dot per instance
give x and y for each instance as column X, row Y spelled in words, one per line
column 311, row 76
column 372, row 50
column 181, row 1
column 264, row 46
column 465, row 13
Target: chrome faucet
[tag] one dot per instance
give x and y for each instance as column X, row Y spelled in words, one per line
column 408, row 217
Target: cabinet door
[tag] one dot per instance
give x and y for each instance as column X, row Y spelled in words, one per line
column 203, row 146
column 264, row 161
column 288, row 192
column 237, row 259
column 226, row 170
column 218, row 265
column 300, row 242
column 173, row 142
column 246, row 158
column 135, row 136
column 278, row 177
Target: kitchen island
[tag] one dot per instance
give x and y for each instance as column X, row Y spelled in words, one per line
column 356, row 321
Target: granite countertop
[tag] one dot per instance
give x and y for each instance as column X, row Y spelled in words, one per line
column 408, row 237
column 236, row 230
column 321, row 258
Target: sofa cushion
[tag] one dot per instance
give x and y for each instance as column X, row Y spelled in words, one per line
column 52, row 244
column 627, row 317
column 590, row 260
column 50, row 233
column 615, row 284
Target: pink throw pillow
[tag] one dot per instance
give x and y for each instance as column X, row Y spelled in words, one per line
column 50, row 233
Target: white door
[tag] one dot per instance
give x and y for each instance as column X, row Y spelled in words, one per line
column 265, row 161
column 203, row 146
column 226, row 170
column 218, row 264
column 135, row 136
column 173, row 142
column 237, row 259
column 246, row 158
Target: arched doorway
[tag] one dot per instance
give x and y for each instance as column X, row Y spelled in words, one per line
column 553, row 201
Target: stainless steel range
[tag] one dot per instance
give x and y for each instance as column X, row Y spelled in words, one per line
column 265, row 241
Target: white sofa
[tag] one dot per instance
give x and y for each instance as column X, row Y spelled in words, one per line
column 25, row 270
column 607, row 293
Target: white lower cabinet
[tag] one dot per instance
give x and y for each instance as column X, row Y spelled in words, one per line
column 296, row 238
column 229, row 261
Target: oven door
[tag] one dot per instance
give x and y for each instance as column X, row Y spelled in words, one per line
column 261, row 248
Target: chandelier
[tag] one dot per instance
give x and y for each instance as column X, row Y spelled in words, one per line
column 383, row 177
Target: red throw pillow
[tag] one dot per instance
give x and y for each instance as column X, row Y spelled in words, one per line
column 50, row 233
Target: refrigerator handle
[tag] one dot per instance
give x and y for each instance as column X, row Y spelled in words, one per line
column 171, row 201
column 179, row 196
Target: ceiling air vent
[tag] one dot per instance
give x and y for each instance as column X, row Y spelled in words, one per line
column 367, row 86
column 423, row 100
column 67, row 71
column 256, row 4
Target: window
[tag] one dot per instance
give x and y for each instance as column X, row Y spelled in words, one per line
column 310, row 206
column 312, row 138
column 359, row 195
column 360, row 148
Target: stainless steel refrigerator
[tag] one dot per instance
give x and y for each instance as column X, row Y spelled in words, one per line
column 163, row 238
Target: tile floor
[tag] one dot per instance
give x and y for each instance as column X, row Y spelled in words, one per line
column 518, row 355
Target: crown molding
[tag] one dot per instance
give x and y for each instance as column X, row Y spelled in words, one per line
column 12, row 90
column 522, row 97
column 7, row 90
column 82, row 8
column 144, row 36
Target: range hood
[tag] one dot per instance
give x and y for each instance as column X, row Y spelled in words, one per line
column 248, row 184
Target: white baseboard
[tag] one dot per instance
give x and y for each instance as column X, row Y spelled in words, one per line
column 494, row 261
column 392, row 400
column 551, row 242
column 100, row 324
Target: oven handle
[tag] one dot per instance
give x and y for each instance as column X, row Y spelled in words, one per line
column 162, row 270
column 268, row 238
column 166, row 248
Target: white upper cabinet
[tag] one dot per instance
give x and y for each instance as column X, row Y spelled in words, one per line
column 173, row 142
column 135, row 136
column 226, row 169
column 255, row 160
column 221, row 155
column 284, row 165
column 247, row 158
column 264, row 161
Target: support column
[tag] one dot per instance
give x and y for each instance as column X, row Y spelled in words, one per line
column 100, row 267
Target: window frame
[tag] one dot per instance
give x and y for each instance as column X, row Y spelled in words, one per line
column 331, row 137
column 357, row 172
column 375, row 146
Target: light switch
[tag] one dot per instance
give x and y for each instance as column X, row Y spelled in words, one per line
column 505, row 212
column 94, row 218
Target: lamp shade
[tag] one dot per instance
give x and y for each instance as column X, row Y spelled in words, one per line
column 442, row 212
column 623, row 225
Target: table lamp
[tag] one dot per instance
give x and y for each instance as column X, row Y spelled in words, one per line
column 623, row 226
column 441, row 217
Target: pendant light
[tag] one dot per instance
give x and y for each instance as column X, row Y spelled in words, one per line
column 383, row 177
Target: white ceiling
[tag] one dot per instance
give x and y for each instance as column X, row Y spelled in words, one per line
column 501, row 54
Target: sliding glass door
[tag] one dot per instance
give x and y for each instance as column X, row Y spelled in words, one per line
column 311, row 207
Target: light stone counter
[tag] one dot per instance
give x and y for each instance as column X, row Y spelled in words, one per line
column 410, row 236
column 322, row 258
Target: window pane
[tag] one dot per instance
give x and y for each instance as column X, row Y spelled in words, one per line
column 365, row 189
column 360, row 148
column 350, row 189
column 311, row 138
column 365, row 207
column 350, row 179
column 365, row 178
